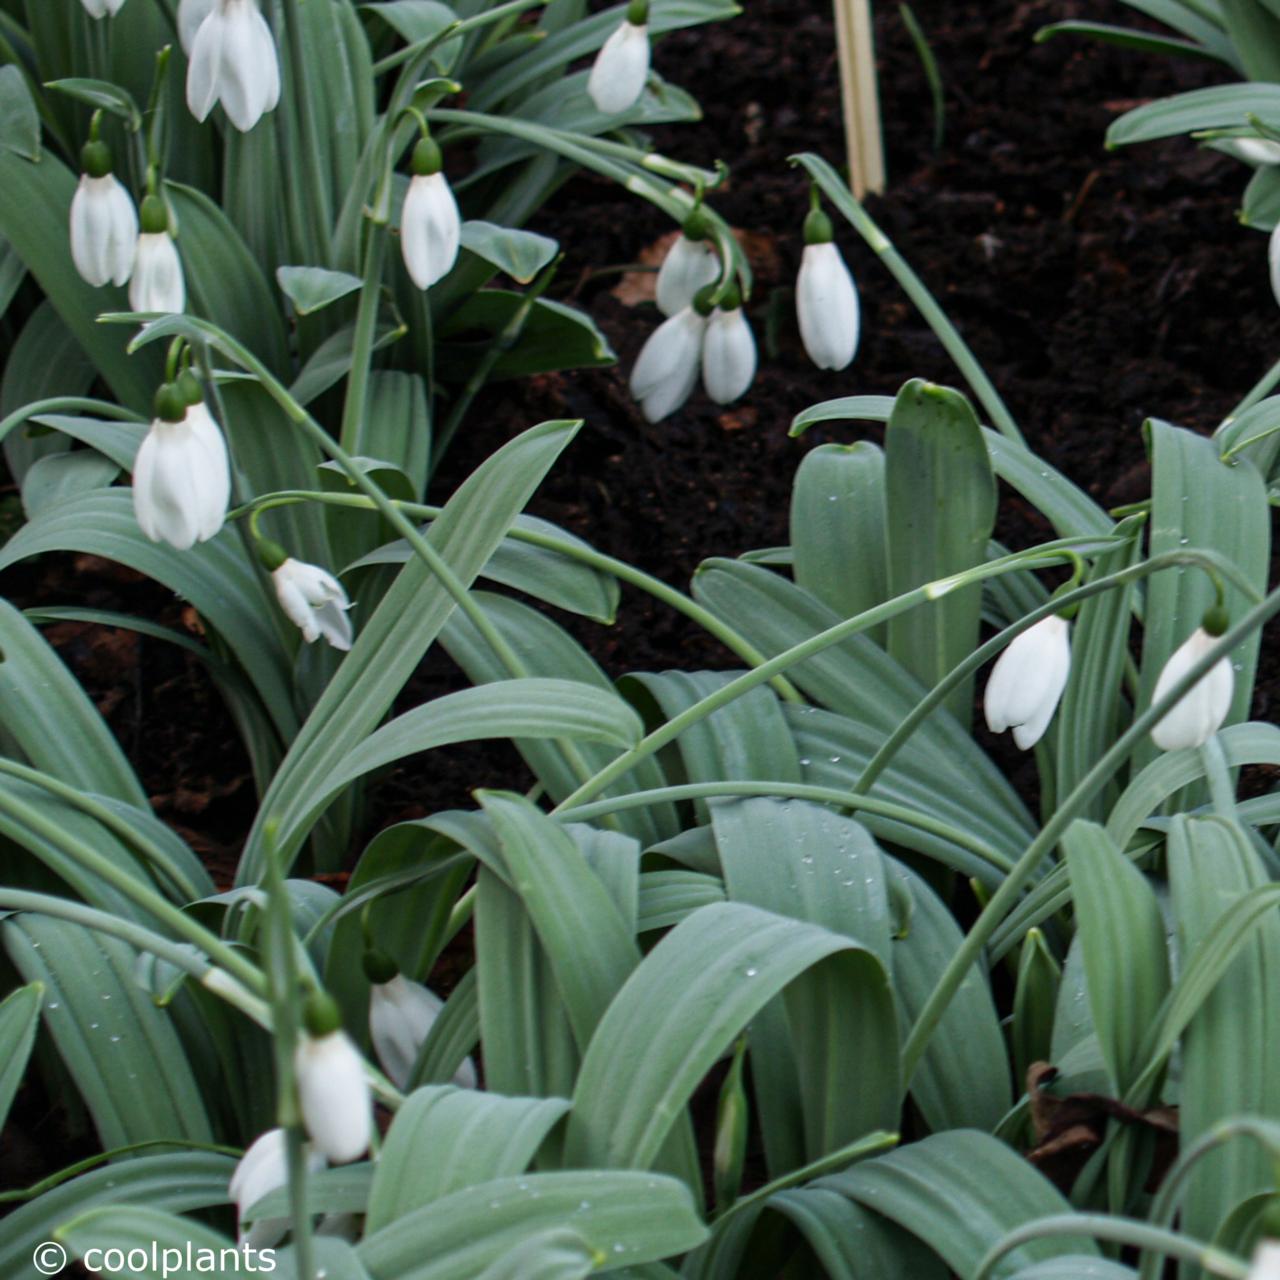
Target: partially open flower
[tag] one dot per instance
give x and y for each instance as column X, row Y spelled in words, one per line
column 666, row 370
column 191, row 16
column 1194, row 719
column 826, row 300
column 264, row 1168
column 333, row 1090
column 728, row 352
column 401, row 1014
column 234, row 61
column 104, row 223
column 102, row 8
column 157, row 283
column 313, row 600
column 430, row 225
column 691, row 264
column 181, row 476
column 621, row 67
column 1027, row 681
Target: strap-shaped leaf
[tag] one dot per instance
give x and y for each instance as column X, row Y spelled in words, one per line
column 160, row 1237
column 940, row 507
column 629, row 1218
column 19, row 1018
column 121, row 1051
column 693, row 993
column 471, row 1137
column 959, row 1192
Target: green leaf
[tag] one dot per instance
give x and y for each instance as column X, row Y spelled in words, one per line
column 311, row 289
column 629, row 1218
column 21, row 122
column 688, row 999
column 520, row 254
column 1221, row 106
column 1229, row 1046
column 958, row 1192
column 174, row 1182
column 101, row 93
column 122, row 1052
column 60, row 477
column 474, row 1137
column 554, row 1254
column 1122, row 939
column 19, row 1019
column 940, row 507
column 1128, row 38
column 838, row 528
column 153, row 1233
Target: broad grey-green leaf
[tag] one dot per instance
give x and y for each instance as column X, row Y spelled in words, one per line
column 520, row 254
column 311, row 289
column 20, row 130
column 19, row 1018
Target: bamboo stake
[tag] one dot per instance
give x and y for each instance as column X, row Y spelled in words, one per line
column 860, row 95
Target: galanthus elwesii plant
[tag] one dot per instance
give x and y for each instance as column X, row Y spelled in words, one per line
column 104, row 222
column 827, row 306
column 621, row 68
column 1027, row 681
column 233, row 61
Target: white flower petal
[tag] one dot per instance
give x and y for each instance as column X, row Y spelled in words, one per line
column 690, row 265
column 1027, row 681
column 157, row 283
column 181, row 480
column 334, row 1094
column 401, row 1014
column 430, row 229
column 1199, row 715
column 191, row 16
column 263, row 1169
column 1266, row 1261
column 104, row 230
column 1273, row 261
column 728, row 356
column 234, row 60
column 314, row 601
column 620, row 70
column 827, row 307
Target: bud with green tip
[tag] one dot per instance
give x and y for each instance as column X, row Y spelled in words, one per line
column 158, row 284
column 691, row 264
column 182, row 475
column 104, row 223
column 728, row 350
column 826, row 300
column 1200, row 713
column 430, row 225
column 621, row 68
column 333, row 1089
column 1027, row 681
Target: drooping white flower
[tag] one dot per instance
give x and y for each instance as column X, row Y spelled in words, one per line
column 104, row 223
column 234, row 61
column 157, row 283
column 690, row 265
column 102, row 8
column 401, row 1014
column 430, row 225
column 264, row 1168
column 666, row 370
column 1254, row 151
column 333, row 1089
column 728, row 353
column 314, row 601
column 1273, row 261
column 182, row 475
column 1027, row 681
column 1266, row 1261
column 827, row 307
column 621, row 68
column 191, row 16
column 1199, row 715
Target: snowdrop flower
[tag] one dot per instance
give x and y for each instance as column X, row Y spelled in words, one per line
column 826, row 300
column 333, row 1090
column 104, row 223
column 264, row 1168
column 1027, row 681
column 1254, row 151
column 181, row 476
column 728, row 351
column 102, row 8
column 233, row 60
column 666, row 370
column 430, row 227
column 621, row 67
column 1199, row 715
column 691, row 264
column 311, row 597
column 191, row 16
column 1273, row 260
column 1266, row 1261
column 401, row 1014
column 157, row 283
